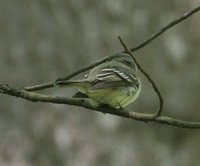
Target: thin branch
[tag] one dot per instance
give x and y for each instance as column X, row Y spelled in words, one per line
column 139, row 46
column 51, row 84
column 35, row 97
column 161, row 101
column 165, row 28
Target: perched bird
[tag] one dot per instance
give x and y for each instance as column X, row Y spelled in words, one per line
column 114, row 83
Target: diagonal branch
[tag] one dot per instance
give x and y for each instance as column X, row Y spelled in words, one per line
column 139, row 46
column 51, row 84
column 35, row 97
column 165, row 28
column 161, row 101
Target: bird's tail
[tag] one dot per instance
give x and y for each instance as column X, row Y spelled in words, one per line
column 72, row 83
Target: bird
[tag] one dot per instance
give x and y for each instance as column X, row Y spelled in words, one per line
column 114, row 83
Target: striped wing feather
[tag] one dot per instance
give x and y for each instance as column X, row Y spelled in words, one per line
column 110, row 78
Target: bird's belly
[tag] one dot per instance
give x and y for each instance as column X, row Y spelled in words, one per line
column 115, row 98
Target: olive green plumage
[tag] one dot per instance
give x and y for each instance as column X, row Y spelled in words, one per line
column 114, row 82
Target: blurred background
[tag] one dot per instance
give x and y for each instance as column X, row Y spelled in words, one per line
column 41, row 40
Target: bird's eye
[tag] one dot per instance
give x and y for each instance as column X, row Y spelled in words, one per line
column 85, row 76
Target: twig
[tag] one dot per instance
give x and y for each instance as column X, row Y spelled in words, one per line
column 165, row 28
column 161, row 101
column 139, row 46
column 51, row 84
column 34, row 97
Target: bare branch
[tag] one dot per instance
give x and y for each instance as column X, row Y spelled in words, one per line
column 165, row 28
column 35, row 97
column 51, row 84
column 161, row 101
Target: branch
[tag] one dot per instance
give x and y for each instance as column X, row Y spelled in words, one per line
column 137, row 47
column 35, row 97
column 161, row 101
column 165, row 28
column 51, row 84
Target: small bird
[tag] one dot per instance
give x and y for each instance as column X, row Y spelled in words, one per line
column 114, row 83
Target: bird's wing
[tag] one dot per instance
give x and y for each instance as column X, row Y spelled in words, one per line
column 112, row 75
column 110, row 78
